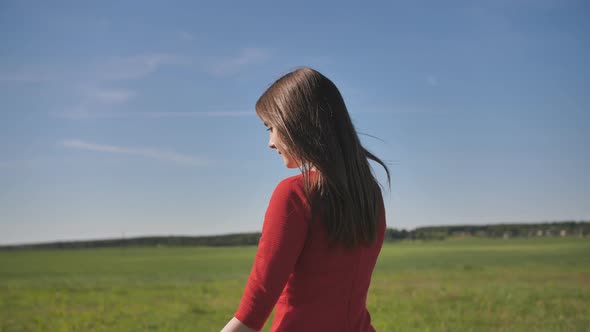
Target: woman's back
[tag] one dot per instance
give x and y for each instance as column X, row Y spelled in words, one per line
column 315, row 267
column 315, row 287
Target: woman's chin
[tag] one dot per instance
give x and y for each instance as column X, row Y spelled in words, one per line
column 289, row 164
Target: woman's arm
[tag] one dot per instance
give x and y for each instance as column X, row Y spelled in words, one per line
column 284, row 232
column 234, row 325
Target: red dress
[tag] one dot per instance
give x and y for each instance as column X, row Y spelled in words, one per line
column 314, row 288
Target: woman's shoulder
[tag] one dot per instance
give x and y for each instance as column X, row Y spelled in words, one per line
column 293, row 183
column 292, row 189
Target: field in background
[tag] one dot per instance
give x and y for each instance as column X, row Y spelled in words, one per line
column 454, row 285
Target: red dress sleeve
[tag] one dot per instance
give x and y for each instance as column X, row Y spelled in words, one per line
column 284, row 232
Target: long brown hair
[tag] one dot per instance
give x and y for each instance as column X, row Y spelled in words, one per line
column 309, row 114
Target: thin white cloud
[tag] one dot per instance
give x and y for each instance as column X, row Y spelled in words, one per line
column 119, row 68
column 96, row 103
column 73, row 113
column 544, row 5
column 139, row 66
column 399, row 110
column 211, row 114
column 143, row 152
column 185, row 35
column 82, row 112
column 91, row 87
column 24, row 77
column 111, row 96
column 103, row 22
column 5, row 164
column 231, row 64
column 431, row 80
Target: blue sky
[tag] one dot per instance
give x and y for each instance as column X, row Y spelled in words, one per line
column 137, row 118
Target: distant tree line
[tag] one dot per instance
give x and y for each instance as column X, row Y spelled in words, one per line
column 551, row 229
column 241, row 239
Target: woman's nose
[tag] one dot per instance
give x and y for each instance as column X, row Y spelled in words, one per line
column 271, row 144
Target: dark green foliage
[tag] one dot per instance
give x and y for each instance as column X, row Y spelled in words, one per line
column 157, row 241
column 564, row 228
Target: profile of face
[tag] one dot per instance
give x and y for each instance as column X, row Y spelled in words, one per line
column 275, row 142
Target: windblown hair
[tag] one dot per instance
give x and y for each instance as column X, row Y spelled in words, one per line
column 310, row 116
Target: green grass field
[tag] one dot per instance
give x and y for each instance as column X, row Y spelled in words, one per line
column 452, row 285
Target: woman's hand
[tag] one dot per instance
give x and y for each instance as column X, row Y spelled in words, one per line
column 234, row 325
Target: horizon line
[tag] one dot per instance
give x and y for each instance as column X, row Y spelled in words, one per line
column 134, row 237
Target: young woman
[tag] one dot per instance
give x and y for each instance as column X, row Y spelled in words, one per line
column 324, row 228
